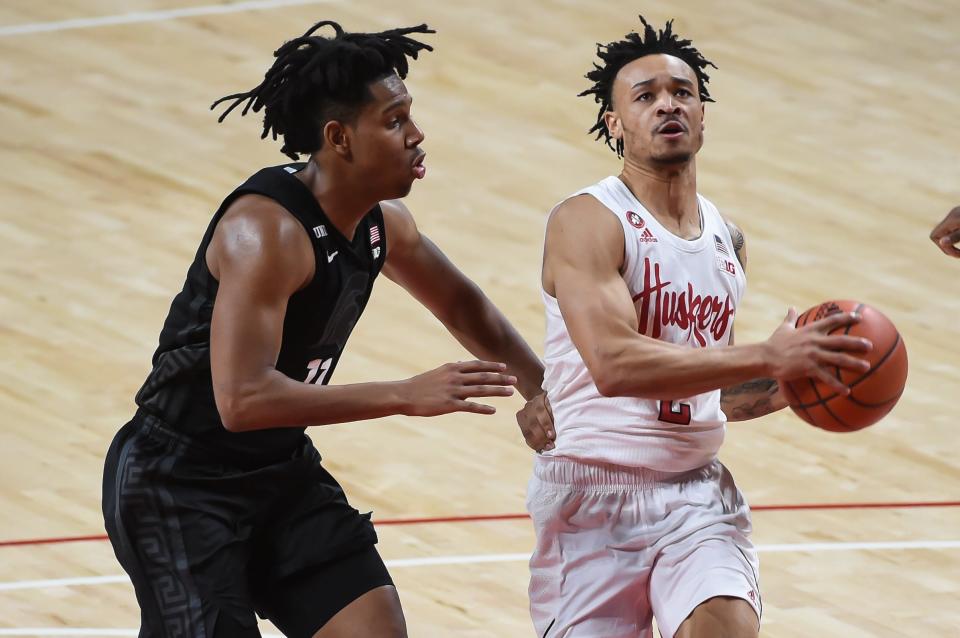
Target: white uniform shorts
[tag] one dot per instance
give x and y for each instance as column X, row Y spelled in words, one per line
column 618, row 546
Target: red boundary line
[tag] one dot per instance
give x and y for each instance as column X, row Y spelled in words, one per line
column 510, row 517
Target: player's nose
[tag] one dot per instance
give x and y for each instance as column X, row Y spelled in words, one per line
column 416, row 136
column 667, row 105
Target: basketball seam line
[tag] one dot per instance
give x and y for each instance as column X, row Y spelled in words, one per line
column 869, row 372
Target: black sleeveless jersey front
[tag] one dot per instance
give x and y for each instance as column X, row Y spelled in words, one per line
column 319, row 319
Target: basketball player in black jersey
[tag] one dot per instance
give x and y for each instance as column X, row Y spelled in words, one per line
column 214, row 499
column 946, row 234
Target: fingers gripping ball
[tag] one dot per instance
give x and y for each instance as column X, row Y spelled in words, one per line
column 872, row 393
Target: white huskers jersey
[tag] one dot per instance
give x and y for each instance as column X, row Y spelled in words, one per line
column 685, row 292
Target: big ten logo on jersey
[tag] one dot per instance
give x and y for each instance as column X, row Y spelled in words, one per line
column 726, row 266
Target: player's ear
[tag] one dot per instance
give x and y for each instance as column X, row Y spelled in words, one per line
column 336, row 137
column 703, row 115
column 612, row 121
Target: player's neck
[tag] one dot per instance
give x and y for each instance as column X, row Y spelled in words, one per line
column 344, row 203
column 668, row 192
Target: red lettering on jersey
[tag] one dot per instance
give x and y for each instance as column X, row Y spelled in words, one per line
column 687, row 310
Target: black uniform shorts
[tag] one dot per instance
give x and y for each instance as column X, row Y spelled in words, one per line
column 207, row 543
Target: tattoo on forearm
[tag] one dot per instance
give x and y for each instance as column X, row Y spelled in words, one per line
column 765, row 386
column 749, row 400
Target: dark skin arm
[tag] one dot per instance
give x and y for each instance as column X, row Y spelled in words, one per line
column 261, row 256
column 946, row 234
column 757, row 397
column 415, row 263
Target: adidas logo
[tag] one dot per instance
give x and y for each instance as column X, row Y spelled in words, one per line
column 647, row 237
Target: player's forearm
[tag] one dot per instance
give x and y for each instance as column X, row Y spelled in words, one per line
column 276, row 401
column 752, row 399
column 665, row 371
column 483, row 330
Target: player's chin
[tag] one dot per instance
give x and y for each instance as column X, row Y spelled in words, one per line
column 673, row 158
column 404, row 188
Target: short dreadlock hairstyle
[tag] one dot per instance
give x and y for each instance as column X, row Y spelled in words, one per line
column 617, row 55
column 316, row 79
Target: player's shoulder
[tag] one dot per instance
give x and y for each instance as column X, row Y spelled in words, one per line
column 261, row 216
column 582, row 231
column 395, row 212
column 258, row 235
column 735, row 230
column 398, row 220
column 582, row 211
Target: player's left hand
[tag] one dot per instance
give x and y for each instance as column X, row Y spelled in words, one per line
column 536, row 423
column 947, row 233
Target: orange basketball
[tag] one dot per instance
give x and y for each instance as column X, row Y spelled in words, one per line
column 872, row 393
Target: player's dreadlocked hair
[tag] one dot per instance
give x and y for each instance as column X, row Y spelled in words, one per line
column 616, row 55
column 316, row 79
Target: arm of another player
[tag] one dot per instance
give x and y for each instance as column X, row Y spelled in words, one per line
column 946, row 234
column 583, row 256
column 261, row 256
column 415, row 263
column 420, row 267
column 757, row 397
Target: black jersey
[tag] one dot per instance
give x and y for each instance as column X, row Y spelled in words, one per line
column 318, row 321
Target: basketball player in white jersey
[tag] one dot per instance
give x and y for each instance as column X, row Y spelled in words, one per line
column 635, row 517
column 946, row 234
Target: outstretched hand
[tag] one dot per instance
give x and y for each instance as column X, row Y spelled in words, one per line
column 448, row 388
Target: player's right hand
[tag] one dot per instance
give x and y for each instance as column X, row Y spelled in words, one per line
column 448, row 388
column 946, row 234
column 812, row 352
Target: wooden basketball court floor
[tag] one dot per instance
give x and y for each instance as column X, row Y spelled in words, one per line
column 833, row 143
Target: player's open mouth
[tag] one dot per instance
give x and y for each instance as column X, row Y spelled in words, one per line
column 419, row 170
column 672, row 129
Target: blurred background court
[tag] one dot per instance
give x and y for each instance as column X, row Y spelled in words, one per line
column 833, row 143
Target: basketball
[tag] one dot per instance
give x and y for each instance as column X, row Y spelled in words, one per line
column 872, row 393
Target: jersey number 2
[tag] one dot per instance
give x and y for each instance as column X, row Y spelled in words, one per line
column 318, row 370
column 678, row 413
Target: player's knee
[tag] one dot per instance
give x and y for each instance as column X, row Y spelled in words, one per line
column 376, row 614
column 383, row 627
column 721, row 617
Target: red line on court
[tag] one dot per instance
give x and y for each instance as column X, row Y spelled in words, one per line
column 450, row 519
column 851, row 506
column 511, row 517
